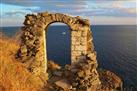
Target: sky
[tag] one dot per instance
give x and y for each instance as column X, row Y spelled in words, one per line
column 100, row 12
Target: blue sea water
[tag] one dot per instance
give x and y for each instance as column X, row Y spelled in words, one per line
column 116, row 48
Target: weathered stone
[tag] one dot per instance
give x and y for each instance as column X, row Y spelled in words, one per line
column 53, row 17
column 57, row 73
column 30, row 17
column 81, row 74
column 34, row 40
column 27, row 22
column 112, row 81
column 74, row 33
column 53, row 66
column 87, row 72
column 80, row 48
column 63, row 84
column 74, row 70
column 68, row 67
column 92, row 56
column 81, row 58
column 83, row 40
column 72, row 47
column 74, row 84
column 27, row 33
column 29, row 42
column 73, row 59
column 87, row 22
column 23, row 49
column 38, row 16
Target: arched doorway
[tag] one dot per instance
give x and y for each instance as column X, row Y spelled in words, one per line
column 33, row 43
column 58, row 43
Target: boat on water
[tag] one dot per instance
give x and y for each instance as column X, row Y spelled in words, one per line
column 63, row 33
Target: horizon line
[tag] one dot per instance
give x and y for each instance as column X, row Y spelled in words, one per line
column 90, row 25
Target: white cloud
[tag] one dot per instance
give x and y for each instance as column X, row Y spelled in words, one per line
column 111, row 20
column 129, row 6
column 100, row 12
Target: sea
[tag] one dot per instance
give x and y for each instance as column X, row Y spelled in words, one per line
column 116, row 47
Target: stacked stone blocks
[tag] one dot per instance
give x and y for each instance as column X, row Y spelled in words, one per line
column 33, row 46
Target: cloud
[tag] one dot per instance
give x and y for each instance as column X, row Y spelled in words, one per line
column 42, row 3
column 15, row 13
column 124, row 4
column 100, row 7
column 129, row 6
column 103, row 8
column 132, row 10
column 111, row 20
column 13, row 10
column 95, row 8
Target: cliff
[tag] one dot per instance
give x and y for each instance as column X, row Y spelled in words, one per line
column 15, row 76
column 79, row 79
column 43, row 75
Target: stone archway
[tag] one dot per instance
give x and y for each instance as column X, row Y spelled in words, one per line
column 33, row 39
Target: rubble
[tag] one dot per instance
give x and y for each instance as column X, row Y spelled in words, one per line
column 83, row 77
column 63, row 84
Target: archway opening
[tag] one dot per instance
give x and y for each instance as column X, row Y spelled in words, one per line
column 58, row 43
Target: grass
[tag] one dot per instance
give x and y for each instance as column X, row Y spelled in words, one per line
column 13, row 74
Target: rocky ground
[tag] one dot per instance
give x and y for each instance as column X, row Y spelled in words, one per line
column 80, row 79
column 83, row 76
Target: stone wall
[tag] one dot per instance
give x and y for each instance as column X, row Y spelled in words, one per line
column 33, row 46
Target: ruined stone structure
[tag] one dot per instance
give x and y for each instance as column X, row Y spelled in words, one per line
column 82, row 73
column 33, row 47
column 34, row 43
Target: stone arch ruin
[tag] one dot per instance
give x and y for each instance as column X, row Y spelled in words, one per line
column 33, row 39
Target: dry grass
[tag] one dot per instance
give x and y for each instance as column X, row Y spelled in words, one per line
column 13, row 74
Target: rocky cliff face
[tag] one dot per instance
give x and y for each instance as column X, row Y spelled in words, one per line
column 81, row 78
column 109, row 81
column 14, row 75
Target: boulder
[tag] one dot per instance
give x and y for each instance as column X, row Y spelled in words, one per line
column 57, row 73
column 64, row 84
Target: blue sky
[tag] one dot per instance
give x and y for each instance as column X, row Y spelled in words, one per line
column 100, row 12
